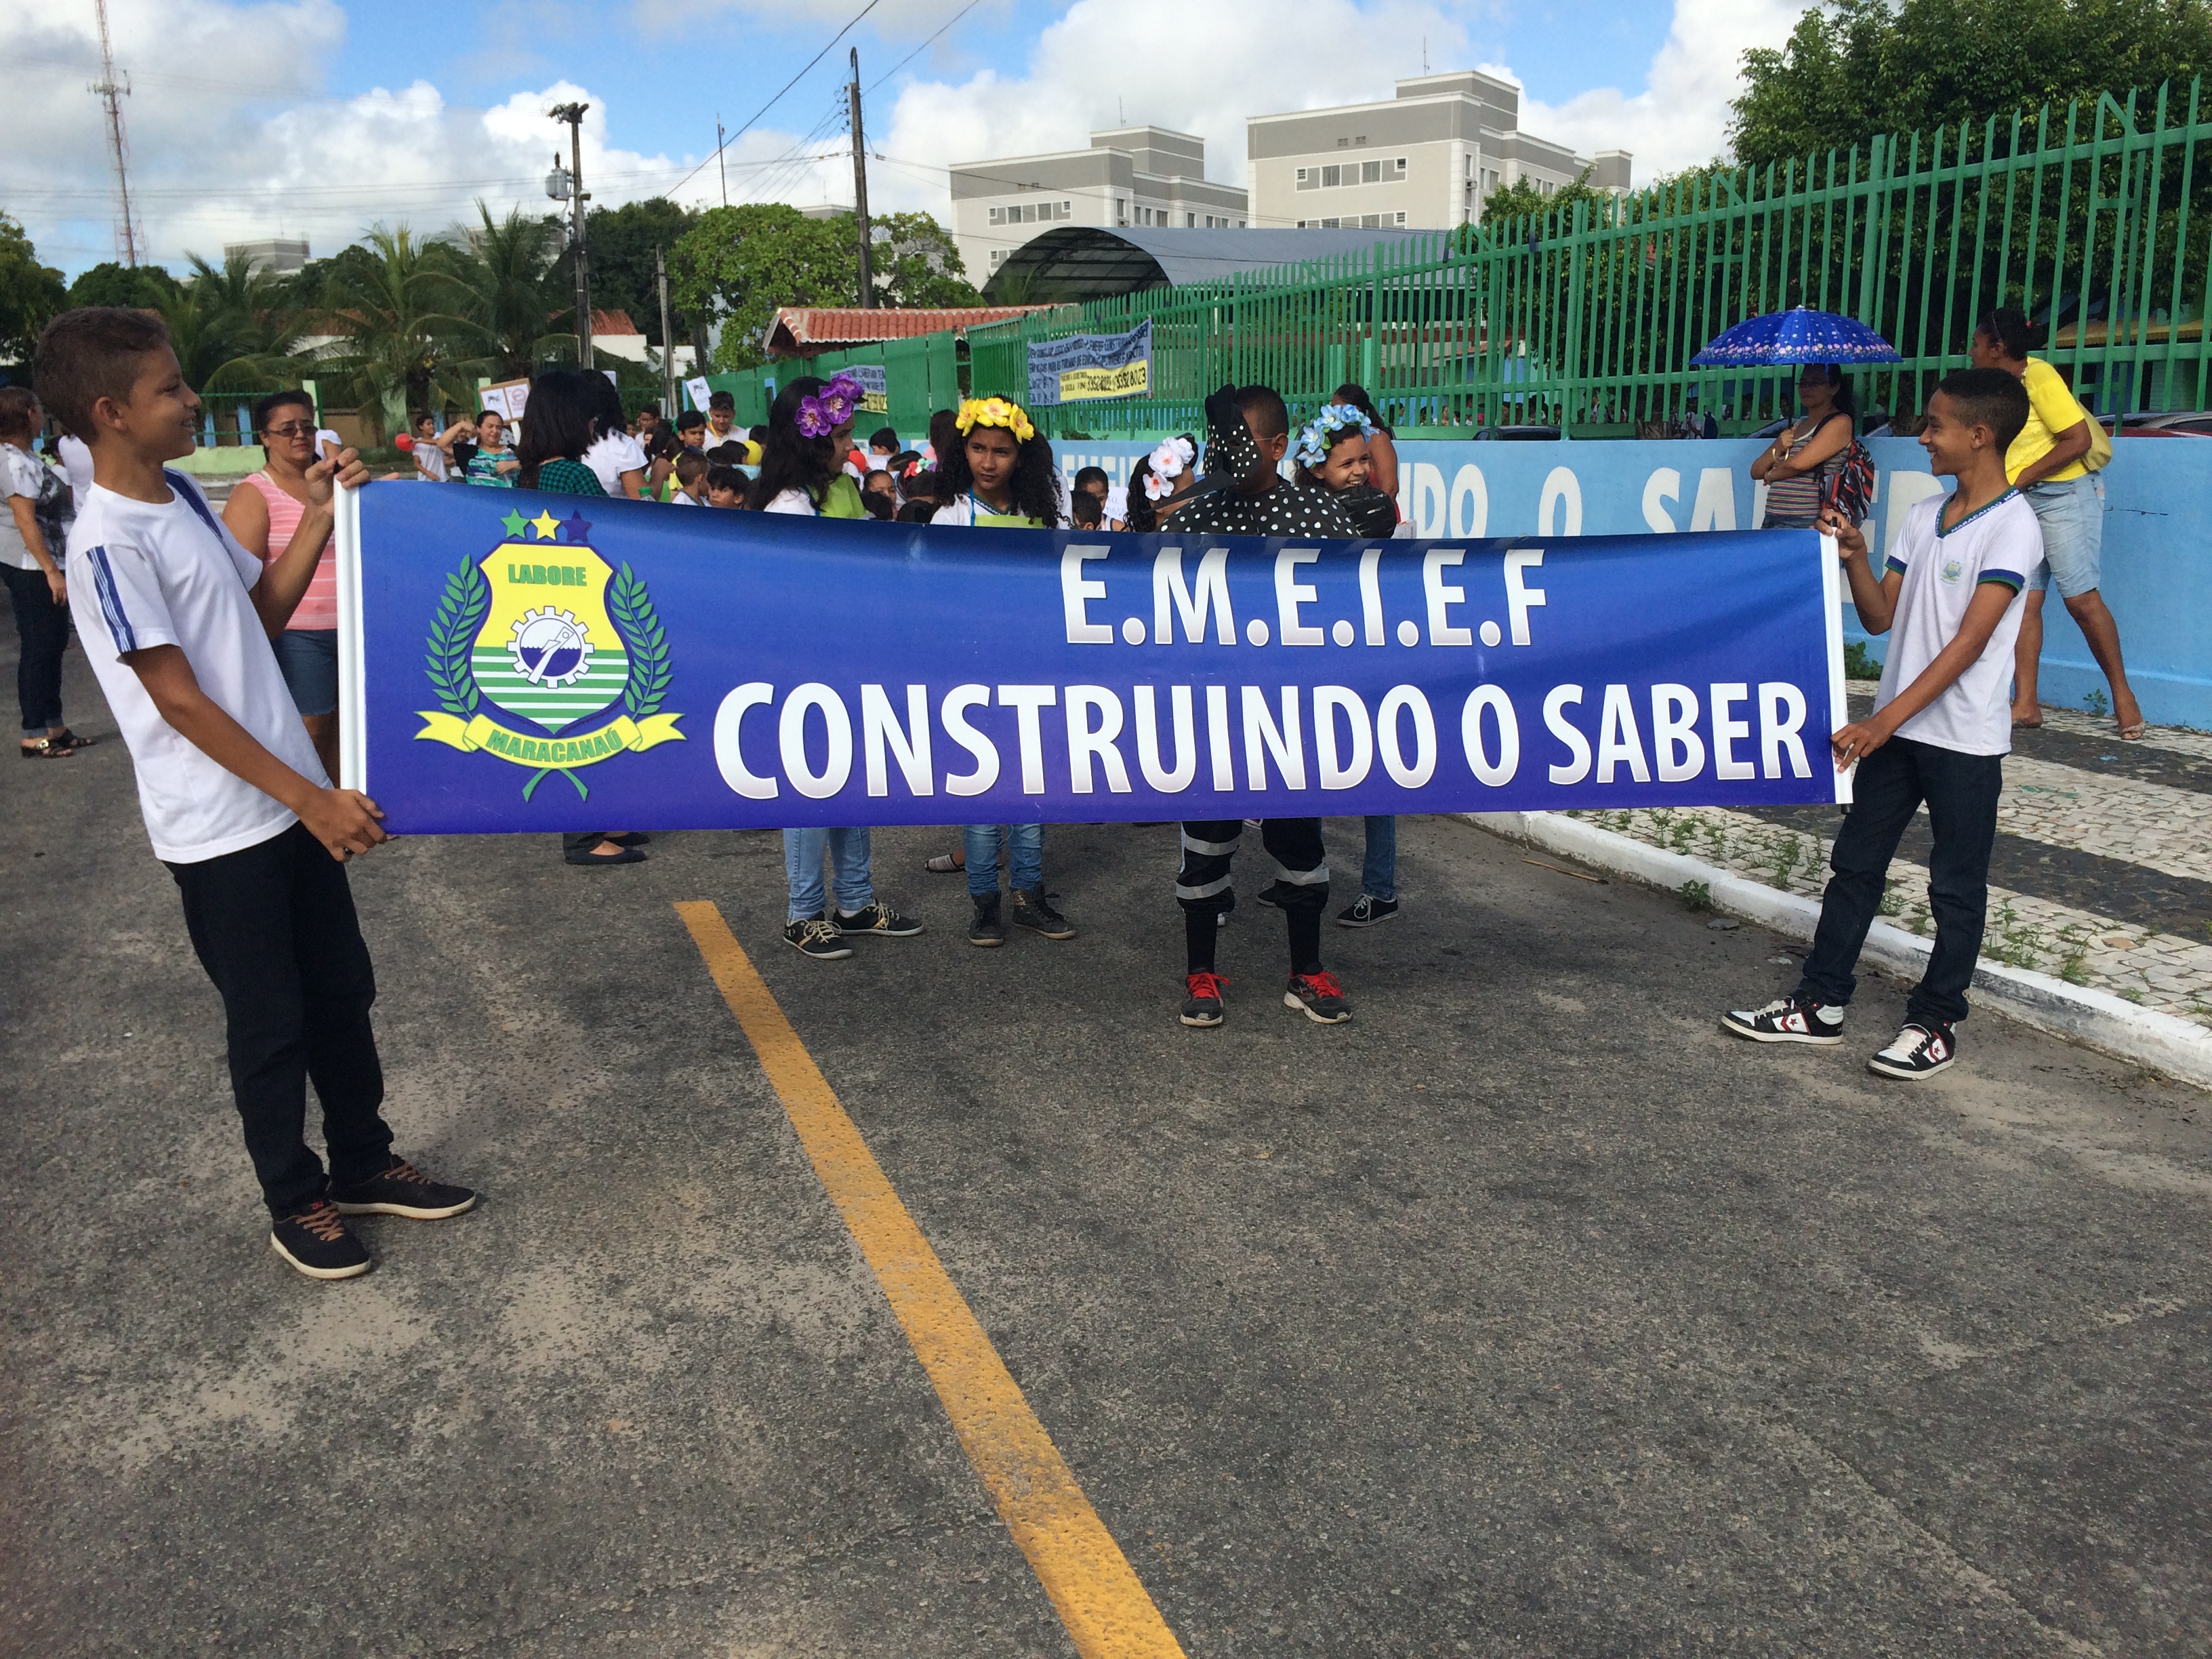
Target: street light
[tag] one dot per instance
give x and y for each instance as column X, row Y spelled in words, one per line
column 567, row 184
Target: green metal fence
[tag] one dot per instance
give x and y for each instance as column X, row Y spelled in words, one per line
column 2093, row 218
column 922, row 375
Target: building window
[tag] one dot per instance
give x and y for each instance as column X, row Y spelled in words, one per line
column 1121, row 209
column 1344, row 144
column 1401, row 218
column 1068, row 209
column 1370, row 221
column 1239, row 224
column 1331, row 178
column 1332, row 224
column 1399, row 166
column 1309, row 179
column 1190, row 220
column 1360, row 140
column 998, row 216
column 997, row 255
column 1370, row 172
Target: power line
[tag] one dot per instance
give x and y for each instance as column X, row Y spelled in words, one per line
column 925, row 44
column 724, row 144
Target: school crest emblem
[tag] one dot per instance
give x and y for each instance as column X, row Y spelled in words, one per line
column 536, row 644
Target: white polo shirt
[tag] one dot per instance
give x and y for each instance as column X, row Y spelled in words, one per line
column 142, row 574
column 1943, row 568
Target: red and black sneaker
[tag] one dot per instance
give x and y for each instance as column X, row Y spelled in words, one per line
column 1792, row 1018
column 1202, row 1006
column 1319, row 998
column 1919, row 1050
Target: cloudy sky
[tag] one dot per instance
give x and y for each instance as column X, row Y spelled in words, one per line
column 316, row 118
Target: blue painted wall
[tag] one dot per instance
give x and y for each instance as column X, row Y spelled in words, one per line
column 2157, row 550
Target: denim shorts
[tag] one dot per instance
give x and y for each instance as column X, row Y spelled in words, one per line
column 2072, row 513
column 309, row 659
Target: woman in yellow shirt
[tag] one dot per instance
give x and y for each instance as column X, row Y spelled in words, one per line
column 2045, row 464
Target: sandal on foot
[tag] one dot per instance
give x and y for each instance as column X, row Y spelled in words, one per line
column 947, row 863
column 72, row 739
column 47, row 749
column 2134, row 734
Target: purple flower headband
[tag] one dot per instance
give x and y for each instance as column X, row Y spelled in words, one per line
column 823, row 412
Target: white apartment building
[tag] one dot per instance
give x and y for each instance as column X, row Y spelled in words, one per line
column 1421, row 160
column 1139, row 175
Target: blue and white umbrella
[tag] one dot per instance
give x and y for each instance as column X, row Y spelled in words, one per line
column 1802, row 335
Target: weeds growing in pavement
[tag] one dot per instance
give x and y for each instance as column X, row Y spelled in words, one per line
column 1786, row 854
column 1892, row 903
column 2076, row 938
column 1696, row 896
column 1685, row 827
column 2019, row 946
column 2093, row 701
column 2133, row 996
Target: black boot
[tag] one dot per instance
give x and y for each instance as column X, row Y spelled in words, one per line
column 986, row 929
column 1033, row 910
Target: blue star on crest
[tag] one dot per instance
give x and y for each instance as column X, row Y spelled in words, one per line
column 578, row 528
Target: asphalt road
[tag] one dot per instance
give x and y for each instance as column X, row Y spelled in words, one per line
column 1527, row 1314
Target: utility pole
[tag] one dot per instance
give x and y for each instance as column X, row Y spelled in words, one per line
column 667, row 339
column 112, row 93
column 861, row 191
column 722, row 144
column 573, row 115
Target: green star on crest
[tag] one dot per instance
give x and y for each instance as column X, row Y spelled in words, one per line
column 514, row 523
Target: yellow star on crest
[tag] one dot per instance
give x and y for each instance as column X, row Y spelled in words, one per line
column 545, row 524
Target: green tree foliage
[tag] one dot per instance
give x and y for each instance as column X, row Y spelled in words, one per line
column 30, row 292
column 1854, row 68
column 1522, row 199
column 111, row 283
column 406, row 341
column 741, row 264
column 519, row 306
column 621, row 243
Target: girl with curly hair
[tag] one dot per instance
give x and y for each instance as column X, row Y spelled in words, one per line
column 1001, row 476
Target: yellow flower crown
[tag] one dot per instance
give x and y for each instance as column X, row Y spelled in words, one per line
column 995, row 411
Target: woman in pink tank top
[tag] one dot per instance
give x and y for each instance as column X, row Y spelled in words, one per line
column 262, row 512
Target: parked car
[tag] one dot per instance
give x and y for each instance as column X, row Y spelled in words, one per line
column 2166, row 423
column 1508, row 434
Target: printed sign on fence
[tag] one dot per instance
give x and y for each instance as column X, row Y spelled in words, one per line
column 1083, row 366
column 528, row 662
column 875, row 386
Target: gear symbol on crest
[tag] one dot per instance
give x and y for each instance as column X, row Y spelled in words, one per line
column 550, row 648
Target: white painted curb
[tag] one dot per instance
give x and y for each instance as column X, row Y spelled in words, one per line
column 2081, row 1013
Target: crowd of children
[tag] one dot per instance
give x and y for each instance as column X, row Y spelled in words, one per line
column 212, row 638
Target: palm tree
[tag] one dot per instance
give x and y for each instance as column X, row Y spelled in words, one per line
column 505, row 272
column 400, row 314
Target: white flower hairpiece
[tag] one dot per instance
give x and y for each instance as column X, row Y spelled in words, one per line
column 1167, row 464
column 1321, row 433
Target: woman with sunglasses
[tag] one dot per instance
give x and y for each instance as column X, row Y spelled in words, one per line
column 262, row 512
column 1808, row 454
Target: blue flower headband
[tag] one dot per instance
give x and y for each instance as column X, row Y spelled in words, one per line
column 1320, row 436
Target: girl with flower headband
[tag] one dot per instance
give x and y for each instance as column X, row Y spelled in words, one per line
column 1001, row 476
column 1162, row 482
column 802, row 461
column 800, row 474
column 1332, row 455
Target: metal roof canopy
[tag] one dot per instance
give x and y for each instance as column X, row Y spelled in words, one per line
column 1087, row 262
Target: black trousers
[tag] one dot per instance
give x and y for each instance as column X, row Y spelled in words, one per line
column 1204, row 886
column 1961, row 793
column 275, row 927
column 44, row 628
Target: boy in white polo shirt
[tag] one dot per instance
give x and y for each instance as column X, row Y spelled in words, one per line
column 176, row 620
column 1941, row 726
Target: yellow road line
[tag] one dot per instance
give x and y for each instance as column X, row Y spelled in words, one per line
column 1098, row 1597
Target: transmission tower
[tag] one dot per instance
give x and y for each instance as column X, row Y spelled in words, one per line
column 112, row 93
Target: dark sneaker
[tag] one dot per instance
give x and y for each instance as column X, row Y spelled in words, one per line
column 1268, row 896
column 319, row 1244
column 1366, row 911
column 1202, row 1006
column 1919, row 1051
column 402, row 1189
column 1792, row 1018
column 1033, row 910
column 878, row 921
column 811, row 936
column 986, row 930
column 1318, row 997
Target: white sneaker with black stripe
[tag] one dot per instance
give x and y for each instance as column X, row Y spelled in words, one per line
column 1792, row 1018
column 1919, row 1051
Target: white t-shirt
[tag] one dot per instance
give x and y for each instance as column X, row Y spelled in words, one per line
column 610, row 456
column 681, row 499
column 793, row 501
column 142, row 575
column 432, row 459
column 20, row 474
column 76, row 461
column 2000, row 542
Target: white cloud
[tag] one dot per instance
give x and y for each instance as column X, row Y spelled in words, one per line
column 1680, row 117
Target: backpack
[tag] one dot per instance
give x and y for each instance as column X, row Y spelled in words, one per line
column 1852, row 492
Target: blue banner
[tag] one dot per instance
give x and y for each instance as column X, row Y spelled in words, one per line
column 515, row 662
column 1083, row 366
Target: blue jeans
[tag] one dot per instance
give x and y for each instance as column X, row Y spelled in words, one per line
column 1025, row 856
column 847, row 850
column 2072, row 514
column 1961, row 793
column 1378, row 871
